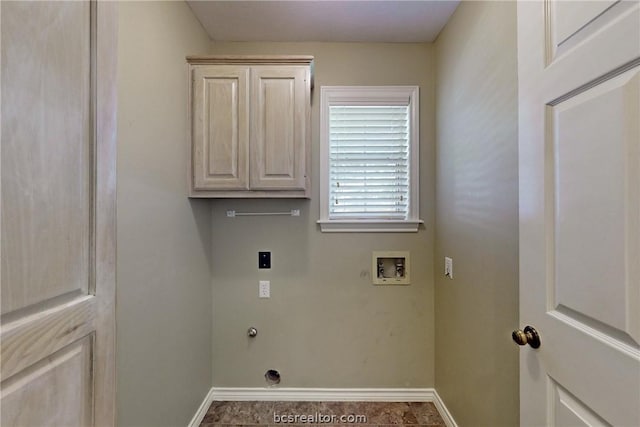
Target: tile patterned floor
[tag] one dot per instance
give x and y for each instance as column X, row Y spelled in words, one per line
column 322, row 414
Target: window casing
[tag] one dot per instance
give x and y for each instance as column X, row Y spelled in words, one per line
column 369, row 141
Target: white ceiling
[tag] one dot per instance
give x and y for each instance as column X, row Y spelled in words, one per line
column 324, row 20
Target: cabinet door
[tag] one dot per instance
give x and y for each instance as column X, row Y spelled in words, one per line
column 220, row 120
column 279, row 109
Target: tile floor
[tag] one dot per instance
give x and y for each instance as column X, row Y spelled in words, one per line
column 322, row 414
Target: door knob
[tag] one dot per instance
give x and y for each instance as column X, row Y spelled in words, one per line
column 528, row 336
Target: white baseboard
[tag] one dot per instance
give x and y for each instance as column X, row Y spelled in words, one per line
column 202, row 410
column 443, row 411
column 324, row 395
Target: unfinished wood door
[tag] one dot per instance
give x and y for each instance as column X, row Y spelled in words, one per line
column 58, row 213
column 579, row 139
column 279, row 109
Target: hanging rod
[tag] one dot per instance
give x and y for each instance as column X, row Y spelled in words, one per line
column 292, row 212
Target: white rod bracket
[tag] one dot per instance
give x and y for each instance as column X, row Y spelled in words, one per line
column 292, row 212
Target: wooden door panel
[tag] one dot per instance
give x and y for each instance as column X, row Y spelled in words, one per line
column 278, row 128
column 26, row 340
column 221, row 128
column 28, row 400
column 57, row 332
column 595, row 137
column 46, row 144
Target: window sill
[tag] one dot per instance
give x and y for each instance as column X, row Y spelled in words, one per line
column 370, row 226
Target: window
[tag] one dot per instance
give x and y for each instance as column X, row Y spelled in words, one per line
column 369, row 158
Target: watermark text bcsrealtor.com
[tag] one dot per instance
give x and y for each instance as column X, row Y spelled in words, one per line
column 318, row 418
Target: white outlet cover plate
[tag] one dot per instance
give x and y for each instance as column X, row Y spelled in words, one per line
column 264, row 290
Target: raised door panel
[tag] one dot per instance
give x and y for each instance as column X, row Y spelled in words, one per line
column 46, row 145
column 595, row 143
column 567, row 410
column 568, row 19
column 279, row 103
column 571, row 23
column 591, row 320
column 28, row 400
column 57, row 332
column 220, row 128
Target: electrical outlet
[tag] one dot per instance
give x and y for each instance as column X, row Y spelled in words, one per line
column 264, row 289
column 448, row 267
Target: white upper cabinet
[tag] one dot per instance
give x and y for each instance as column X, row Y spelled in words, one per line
column 250, row 126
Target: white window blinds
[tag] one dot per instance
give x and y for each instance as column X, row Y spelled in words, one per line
column 369, row 161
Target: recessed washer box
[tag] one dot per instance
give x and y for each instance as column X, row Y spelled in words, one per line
column 391, row 268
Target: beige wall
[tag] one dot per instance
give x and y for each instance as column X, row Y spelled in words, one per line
column 325, row 324
column 164, row 287
column 477, row 214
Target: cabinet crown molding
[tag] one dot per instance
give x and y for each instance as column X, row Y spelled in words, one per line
column 251, row 59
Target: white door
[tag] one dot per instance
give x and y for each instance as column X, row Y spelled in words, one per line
column 579, row 160
column 58, row 213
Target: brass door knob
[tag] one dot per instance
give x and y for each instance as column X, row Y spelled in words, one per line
column 528, row 336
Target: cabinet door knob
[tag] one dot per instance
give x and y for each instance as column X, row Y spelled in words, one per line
column 528, row 336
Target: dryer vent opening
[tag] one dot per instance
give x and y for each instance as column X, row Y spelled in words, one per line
column 272, row 376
